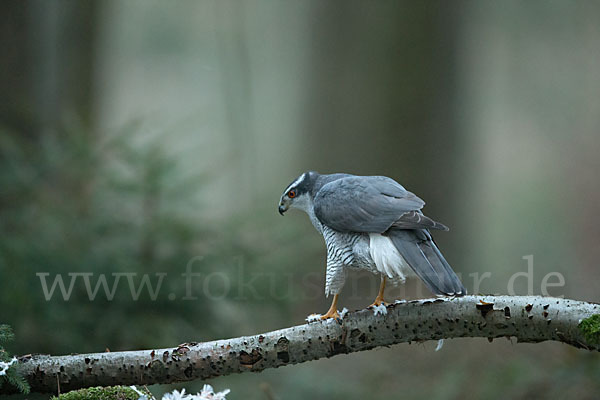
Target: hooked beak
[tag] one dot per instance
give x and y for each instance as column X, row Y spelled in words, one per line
column 282, row 209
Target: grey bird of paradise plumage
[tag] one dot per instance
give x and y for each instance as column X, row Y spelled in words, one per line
column 372, row 223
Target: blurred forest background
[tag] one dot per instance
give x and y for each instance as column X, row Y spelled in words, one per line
column 136, row 135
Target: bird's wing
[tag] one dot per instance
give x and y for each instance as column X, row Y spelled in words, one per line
column 419, row 250
column 417, row 220
column 370, row 204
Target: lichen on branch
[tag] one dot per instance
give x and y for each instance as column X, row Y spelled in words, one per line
column 590, row 327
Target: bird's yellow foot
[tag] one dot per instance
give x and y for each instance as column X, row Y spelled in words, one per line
column 331, row 314
column 379, row 301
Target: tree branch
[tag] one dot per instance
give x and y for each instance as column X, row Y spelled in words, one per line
column 528, row 318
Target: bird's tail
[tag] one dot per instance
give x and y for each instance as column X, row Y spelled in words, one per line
column 423, row 256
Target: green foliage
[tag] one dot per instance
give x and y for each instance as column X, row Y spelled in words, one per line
column 12, row 376
column 6, row 335
column 104, row 393
column 590, row 327
column 73, row 202
column 128, row 202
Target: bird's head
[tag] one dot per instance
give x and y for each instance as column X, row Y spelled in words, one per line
column 298, row 194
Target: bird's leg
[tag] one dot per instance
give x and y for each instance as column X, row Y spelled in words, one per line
column 379, row 299
column 332, row 312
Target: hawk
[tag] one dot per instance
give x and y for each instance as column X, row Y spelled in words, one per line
column 371, row 223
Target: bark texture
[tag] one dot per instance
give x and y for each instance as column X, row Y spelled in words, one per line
column 527, row 318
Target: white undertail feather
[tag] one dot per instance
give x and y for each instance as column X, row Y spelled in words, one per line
column 387, row 258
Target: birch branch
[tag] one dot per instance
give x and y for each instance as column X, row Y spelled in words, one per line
column 527, row 318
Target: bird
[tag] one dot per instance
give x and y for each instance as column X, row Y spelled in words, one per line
column 371, row 223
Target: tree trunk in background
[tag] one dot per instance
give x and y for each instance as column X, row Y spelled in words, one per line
column 47, row 90
column 16, row 68
column 48, row 57
column 379, row 75
column 236, row 84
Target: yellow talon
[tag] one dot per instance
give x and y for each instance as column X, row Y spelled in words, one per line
column 379, row 299
column 332, row 312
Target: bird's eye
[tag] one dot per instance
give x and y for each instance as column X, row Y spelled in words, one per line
column 292, row 194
